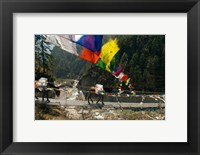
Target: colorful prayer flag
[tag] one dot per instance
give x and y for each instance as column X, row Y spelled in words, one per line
column 63, row 41
column 108, row 51
column 52, row 39
column 101, row 64
column 90, row 56
column 124, row 78
column 127, row 81
column 117, row 71
column 120, row 75
column 91, row 42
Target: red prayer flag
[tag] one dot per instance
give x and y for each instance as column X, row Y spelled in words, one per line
column 89, row 55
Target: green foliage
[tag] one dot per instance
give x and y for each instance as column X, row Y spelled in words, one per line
column 146, row 60
column 43, row 58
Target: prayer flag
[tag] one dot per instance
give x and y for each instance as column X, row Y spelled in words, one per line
column 63, row 41
column 91, row 42
column 90, row 56
column 101, row 64
column 108, row 51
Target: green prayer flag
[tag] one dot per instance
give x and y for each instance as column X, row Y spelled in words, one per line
column 101, row 64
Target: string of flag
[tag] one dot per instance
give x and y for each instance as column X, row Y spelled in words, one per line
column 94, row 51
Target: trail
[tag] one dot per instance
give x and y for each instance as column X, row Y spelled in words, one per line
column 84, row 103
column 69, row 95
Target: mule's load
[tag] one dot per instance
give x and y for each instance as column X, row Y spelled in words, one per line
column 99, row 89
column 96, row 91
column 42, row 83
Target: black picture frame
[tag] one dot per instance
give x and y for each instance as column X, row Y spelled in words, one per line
column 8, row 7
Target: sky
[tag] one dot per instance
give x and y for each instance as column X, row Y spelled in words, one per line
column 77, row 37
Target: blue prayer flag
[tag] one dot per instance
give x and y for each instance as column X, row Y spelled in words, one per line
column 91, row 42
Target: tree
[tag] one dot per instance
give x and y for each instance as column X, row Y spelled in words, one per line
column 43, row 57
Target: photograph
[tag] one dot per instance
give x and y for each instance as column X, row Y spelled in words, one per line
column 99, row 77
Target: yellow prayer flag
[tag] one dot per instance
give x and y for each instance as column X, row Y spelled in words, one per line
column 127, row 81
column 108, row 67
column 108, row 51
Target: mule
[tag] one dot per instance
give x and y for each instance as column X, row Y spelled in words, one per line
column 92, row 95
column 45, row 91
